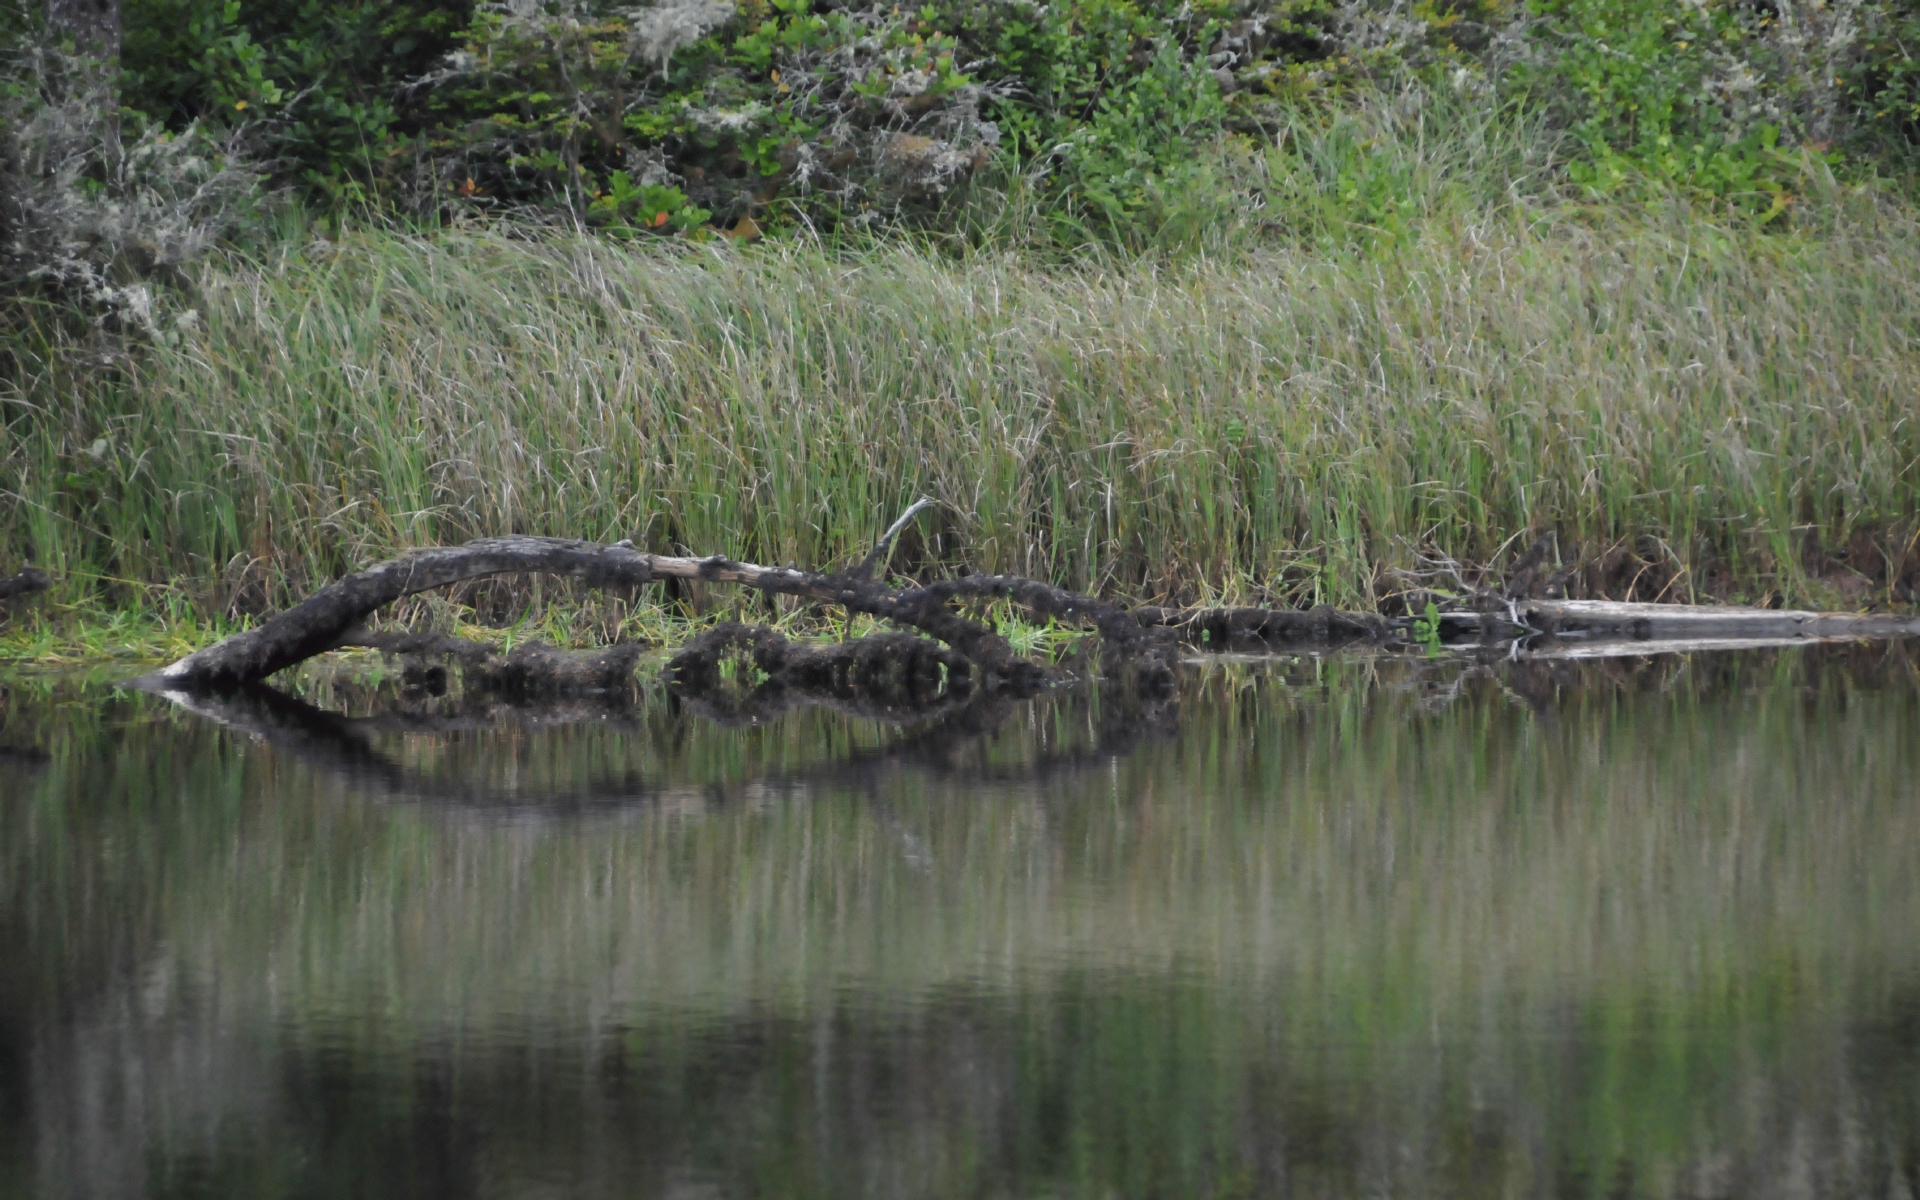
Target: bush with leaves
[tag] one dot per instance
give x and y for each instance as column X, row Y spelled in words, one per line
column 1114, row 105
column 673, row 113
column 1124, row 117
column 1882, row 88
column 1117, row 110
column 1721, row 97
column 323, row 82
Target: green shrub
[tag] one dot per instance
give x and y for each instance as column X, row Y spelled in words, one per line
column 1121, row 121
column 1722, row 97
column 324, row 81
column 1113, row 103
column 846, row 109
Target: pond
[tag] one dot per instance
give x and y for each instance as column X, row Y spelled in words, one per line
column 1366, row 925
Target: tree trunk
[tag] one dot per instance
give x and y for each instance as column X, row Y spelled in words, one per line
column 1147, row 639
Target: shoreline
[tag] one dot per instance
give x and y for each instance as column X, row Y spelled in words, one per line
column 140, row 641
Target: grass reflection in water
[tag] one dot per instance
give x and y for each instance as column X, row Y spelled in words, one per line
column 1324, row 928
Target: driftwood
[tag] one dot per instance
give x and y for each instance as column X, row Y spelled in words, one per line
column 1221, row 627
column 886, row 666
column 1528, row 601
column 1548, row 649
column 332, row 616
column 1555, row 627
column 533, row 669
column 1704, row 621
column 1144, row 641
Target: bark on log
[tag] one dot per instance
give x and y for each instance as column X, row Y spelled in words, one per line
column 1220, row 626
column 532, row 668
column 1563, row 649
column 323, row 619
column 884, row 666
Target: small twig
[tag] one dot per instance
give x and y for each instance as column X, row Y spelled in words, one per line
column 1444, row 564
column 875, row 557
column 1513, row 616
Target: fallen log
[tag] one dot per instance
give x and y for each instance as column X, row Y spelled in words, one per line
column 1145, row 640
column 531, row 669
column 324, row 619
column 899, row 666
column 1224, row 626
column 1703, row 621
column 332, row 616
column 1551, row 649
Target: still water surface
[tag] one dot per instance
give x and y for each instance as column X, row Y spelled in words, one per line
column 1348, row 927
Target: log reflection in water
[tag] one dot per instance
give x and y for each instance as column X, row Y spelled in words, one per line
column 934, row 739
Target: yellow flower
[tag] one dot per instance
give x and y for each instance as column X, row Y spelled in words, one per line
column 240, row 105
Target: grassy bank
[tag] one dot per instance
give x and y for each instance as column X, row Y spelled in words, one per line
column 1285, row 423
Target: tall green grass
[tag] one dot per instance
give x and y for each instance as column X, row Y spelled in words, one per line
column 1449, row 363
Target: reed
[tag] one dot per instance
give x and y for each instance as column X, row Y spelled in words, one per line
column 1282, row 419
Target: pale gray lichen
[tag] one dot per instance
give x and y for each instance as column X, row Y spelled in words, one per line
column 92, row 209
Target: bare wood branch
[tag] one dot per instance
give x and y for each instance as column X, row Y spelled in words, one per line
column 1661, row 621
column 875, row 559
column 1618, row 647
column 332, row 615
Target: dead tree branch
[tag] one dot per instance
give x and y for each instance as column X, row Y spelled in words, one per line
column 322, row 620
column 1143, row 642
column 875, row 558
column 332, row 616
